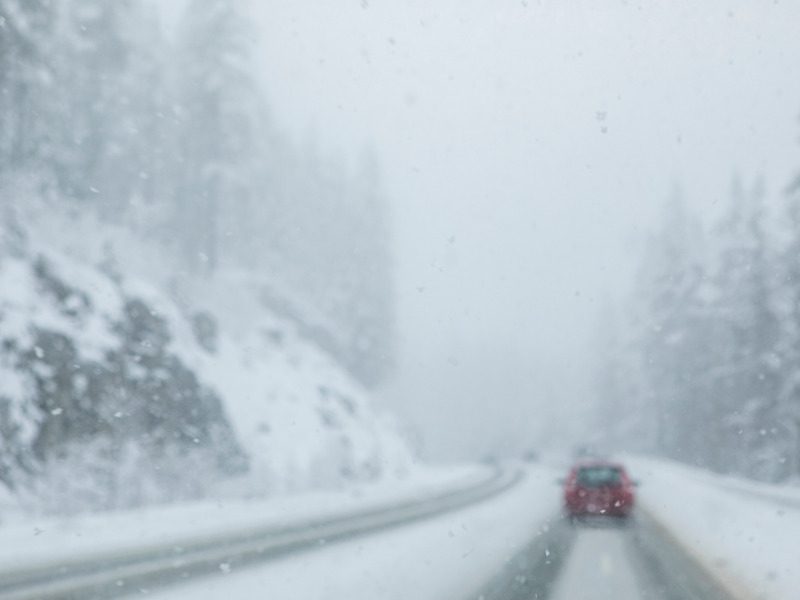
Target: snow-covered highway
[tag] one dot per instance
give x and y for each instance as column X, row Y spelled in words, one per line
column 477, row 535
column 517, row 547
column 604, row 560
column 599, row 568
column 450, row 556
column 138, row 564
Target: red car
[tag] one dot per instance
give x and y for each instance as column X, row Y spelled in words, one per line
column 598, row 488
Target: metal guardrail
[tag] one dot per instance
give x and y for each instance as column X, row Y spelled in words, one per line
column 146, row 568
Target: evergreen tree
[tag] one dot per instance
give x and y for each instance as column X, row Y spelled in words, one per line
column 173, row 140
column 712, row 351
column 113, row 82
column 746, row 311
column 371, row 299
column 27, row 45
column 220, row 121
column 670, row 285
column 788, row 412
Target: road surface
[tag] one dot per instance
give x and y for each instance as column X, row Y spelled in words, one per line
column 599, row 567
column 504, row 540
column 480, row 553
column 604, row 560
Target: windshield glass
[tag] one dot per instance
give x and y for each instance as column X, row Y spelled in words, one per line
column 368, row 299
column 594, row 477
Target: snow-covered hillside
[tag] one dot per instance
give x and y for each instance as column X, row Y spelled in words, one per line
column 114, row 392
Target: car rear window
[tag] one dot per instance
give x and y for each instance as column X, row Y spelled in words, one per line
column 599, row 476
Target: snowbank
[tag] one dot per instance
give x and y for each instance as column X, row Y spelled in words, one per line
column 746, row 534
column 451, row 556
column 26, row 542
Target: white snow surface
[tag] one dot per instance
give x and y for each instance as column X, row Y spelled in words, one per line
column 449, row 556
column 745, row 533
column 27, row 542
column 302, row 419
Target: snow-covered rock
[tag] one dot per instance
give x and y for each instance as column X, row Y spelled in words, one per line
column 112, row 393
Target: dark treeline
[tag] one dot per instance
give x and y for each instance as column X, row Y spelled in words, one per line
column 171, row 136
column 706, row 364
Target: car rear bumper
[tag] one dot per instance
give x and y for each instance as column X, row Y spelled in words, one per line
column 615, row 509
column 599, row 512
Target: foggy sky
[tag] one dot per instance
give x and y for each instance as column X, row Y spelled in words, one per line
column 527, row 147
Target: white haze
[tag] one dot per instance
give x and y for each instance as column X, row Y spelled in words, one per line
column 527, row 147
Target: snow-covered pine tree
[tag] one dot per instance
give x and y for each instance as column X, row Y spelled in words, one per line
column 221, row 108
column 748, row 373
column 670, row 287
column 27, row 45
column 787, row 437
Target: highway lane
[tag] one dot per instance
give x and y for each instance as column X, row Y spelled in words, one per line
column 602, row 560
column 507, row 542
column 597, row 561
column 599, row 568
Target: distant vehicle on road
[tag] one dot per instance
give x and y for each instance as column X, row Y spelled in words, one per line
column 598, row 488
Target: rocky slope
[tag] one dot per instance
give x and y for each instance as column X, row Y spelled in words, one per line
column 113, row 394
